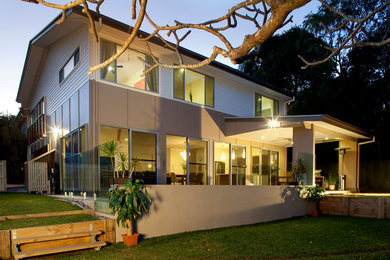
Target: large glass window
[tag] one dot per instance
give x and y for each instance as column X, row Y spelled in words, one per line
column 222, row 163
column 143, row 156
column 186, row 161
column 197, row 161
column 75, row 161
column 254, row 177
column 194, row 87
column 274, row 167
column 113, row 156
column 176, row 160
column 265, row 106
column 238, row 164
column 269, row 167
column 265, row 167
column 128, row 68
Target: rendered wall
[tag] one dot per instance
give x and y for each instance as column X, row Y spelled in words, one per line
column 176, row 209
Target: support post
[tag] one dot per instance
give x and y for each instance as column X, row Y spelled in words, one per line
column 304, row 148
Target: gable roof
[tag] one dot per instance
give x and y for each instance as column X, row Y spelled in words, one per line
column 36, row 50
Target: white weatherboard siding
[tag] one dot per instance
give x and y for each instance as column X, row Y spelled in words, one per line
column 58, row 54
column 166, row 83
column 233, row 98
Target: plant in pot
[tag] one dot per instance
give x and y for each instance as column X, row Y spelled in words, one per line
column 127, row 204
column 135, row 166
column 123, row 163
column 109, row 149
column 299, row 171
column 313, row 194
column 332, row 182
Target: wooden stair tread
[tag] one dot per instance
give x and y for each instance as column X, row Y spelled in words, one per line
column 54, row 250
column 55, row 237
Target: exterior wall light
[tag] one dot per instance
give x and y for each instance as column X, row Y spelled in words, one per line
column 273, row 123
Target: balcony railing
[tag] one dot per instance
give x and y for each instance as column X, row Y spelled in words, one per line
column 37, row 130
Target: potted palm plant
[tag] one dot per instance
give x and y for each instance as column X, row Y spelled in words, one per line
column 128, row 204
column 109, row 149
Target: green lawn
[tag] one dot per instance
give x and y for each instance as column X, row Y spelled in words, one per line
column 326, row 237
column 23, row 203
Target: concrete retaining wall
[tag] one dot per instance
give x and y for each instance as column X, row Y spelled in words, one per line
column 176, row 209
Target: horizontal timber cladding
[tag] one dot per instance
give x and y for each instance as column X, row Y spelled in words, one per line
column 368, row 207
column 57, row 55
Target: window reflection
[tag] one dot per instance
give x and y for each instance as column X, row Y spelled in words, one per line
column 176, row 160
column 128, row 69
column 113, row 156
column 194, row 87
column 238, row 164
column 222, row 163
column 143, row 156
column 198, row 162
column 254, row 177
column 266, row 106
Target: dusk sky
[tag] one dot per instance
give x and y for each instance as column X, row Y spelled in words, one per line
column 21, row 21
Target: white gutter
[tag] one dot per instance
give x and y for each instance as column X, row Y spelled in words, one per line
column 358, row 161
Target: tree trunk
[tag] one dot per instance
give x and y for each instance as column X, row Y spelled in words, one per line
column 129, row 227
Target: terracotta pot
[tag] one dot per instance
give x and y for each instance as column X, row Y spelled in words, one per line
column 130, row 240
column 315, row 213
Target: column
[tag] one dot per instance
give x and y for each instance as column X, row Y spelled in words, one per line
column 304, row 148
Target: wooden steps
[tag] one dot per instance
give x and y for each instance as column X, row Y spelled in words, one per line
column 55, row 237
column 55, row 250
column 28, row 242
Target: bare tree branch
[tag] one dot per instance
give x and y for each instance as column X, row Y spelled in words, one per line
column 352, row 26
column 267, row 16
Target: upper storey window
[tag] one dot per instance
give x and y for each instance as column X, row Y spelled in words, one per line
column 128, row 68
column 194, row 87
column 266, row 106
column 70, row 65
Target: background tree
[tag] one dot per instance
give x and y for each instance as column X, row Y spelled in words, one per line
column 13, row 148
column 277, row 61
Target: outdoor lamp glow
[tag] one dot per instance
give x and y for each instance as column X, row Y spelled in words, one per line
column 274, row 123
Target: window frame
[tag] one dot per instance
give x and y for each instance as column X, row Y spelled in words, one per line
column 274, row 101
column 62, row 70
column 184, row 88
column 115, row 67
column 130, row 138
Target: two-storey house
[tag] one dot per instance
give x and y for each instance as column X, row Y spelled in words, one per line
column 210, row 126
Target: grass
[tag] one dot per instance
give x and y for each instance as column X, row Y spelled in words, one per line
column 23, row 203
column 326, row 237
column 46, row 221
